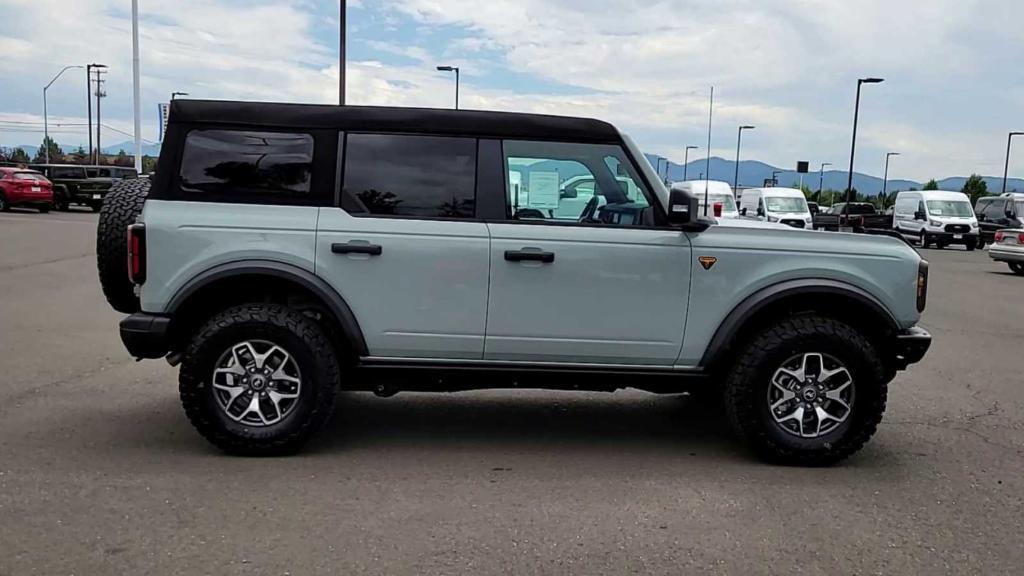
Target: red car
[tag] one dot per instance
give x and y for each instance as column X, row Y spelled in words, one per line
column 19, row 187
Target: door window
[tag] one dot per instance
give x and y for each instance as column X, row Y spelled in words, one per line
column 574, row 183
column 410, row 176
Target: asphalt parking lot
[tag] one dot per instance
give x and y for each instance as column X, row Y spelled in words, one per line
column 100, row 473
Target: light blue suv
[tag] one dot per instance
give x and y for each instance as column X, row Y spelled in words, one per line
column 286, row 252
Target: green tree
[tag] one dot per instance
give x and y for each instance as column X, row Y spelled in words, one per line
column 122, row 159
column 148, row 164
column 975, row 187
column 56, row 154
column 19, row 156
column 931, row 185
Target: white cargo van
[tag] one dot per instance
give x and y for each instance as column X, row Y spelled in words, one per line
column 936, row 217
column 784, row 205
column 717, row 192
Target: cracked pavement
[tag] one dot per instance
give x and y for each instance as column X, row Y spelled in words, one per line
column 100, row 472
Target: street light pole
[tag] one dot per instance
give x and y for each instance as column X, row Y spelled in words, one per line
column 343, row 12
column 173, row 94
column 739, row 137
column 821, row 177
column 853, row 144
column 136, row 87
column 885, row 179
column 1006, row 169
column 456, row 70
column 686, row 159
column 46, row 126
column 775, row 178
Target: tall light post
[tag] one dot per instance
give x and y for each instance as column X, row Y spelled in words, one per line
column 853, row 145
column 686, row 159
column 657, row 166
column 885, row 178
column 739, row 138
column 1006, row 169
column 775, row 177
column 821, row 179
column 46, row 126
column 173, row 94
column 456, row 70
column 88, row 96
column 136, row 87
column 343, row 12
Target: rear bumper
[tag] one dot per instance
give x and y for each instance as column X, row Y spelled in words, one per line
column 911, row 346
column 1000, row 254
column 145, row 335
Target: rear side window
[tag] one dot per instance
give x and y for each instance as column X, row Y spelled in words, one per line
column 242, row 163
column 410, row 176
column 68, row 173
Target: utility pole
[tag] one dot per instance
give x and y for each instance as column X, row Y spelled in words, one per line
column 100, row 94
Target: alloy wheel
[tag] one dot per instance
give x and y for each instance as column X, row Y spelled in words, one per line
column 810, row 394
column 257, row 383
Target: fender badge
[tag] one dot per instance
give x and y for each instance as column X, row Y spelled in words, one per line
column 707, row 261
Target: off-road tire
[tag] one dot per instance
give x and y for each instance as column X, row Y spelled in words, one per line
column 61, row 202
column 1017, row 267
column 297, row 333
column 746, row 390
column 121, row 206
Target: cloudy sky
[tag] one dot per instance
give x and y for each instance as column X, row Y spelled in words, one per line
column 954, row 84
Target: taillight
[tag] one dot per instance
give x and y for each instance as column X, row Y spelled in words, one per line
column 1020, row 238
column 922, row 285
column 999, row 236
column 718, row 209
column 137, row 253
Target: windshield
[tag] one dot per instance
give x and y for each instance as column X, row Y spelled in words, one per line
column 727, row 201
column 784, row 204
column 959, row 208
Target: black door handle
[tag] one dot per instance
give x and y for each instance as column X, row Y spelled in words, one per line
column 371, row 249
column 529, row 255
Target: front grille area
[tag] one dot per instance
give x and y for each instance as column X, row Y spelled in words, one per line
column 794, row 223
column 958, row 228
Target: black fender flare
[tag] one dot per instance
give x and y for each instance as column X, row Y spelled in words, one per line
column 308, row 280
column 764, row 297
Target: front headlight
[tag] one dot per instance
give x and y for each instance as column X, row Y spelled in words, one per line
column 935, row 224
column 773, row 219
column 974, row 224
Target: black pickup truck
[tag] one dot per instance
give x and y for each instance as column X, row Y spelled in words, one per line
column 861, row 216
column 74, row 184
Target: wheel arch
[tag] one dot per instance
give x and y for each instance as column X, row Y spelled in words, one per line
column 219, row 285
column 832, row 297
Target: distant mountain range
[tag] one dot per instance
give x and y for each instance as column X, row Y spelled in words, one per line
column 754, row 173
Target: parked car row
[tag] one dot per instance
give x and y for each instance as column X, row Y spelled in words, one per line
column 58, row 186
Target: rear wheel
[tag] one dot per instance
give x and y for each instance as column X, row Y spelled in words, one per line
column 925, row 241
column 5, row 206
column 121, row 206
column 259, row 379
column 43, row 208
column 60, row 199
column 1017, row 267
column 808, row 391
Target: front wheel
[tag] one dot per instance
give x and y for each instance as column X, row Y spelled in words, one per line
column 808, row 391
column 1017, row 267
column 259, row 379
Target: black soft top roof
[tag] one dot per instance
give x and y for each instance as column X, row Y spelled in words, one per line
column 388, row 119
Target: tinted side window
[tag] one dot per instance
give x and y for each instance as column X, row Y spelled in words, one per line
column 229, row 162
column 408, row 175
column 996, row 209
column 67, row 173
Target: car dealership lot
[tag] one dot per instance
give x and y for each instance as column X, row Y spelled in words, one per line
column 101, row 473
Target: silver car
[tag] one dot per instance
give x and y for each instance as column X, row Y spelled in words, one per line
column 1009, row 248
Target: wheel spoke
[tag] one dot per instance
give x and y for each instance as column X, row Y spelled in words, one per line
column 254, row 406
column 247, row 349
column 787, row 395
column 812, row 365
column 233, row 393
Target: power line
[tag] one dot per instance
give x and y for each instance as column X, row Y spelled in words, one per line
column 18, row 123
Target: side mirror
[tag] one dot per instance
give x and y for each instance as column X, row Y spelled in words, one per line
column 1009, row 214
column 760, row 211
column 565, row 193
column 743, row 211
column 919, row 215
column 683, row 207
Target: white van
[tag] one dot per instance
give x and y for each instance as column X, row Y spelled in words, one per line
column 718, row 193
column 936, row 217
column 784, row 205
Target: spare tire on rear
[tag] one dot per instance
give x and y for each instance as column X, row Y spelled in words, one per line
column 121, row 206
